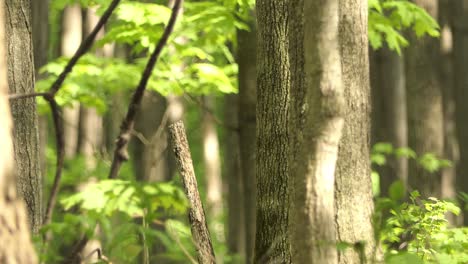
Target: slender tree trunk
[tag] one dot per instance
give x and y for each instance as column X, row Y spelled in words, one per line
column 151, row 152
column 15, row 244
column 460, row 51
column 389, row 117
column 21, row 81
column 272, row 168
column 353, row 188
column 316, row 125
column 247, row 54
column 233, row 174
column 425, row 116
column 448, row 99
column 71, row 39
column 211, row 161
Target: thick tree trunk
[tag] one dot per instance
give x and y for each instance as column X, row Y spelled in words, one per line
column 232, row 173
column 316, row 125
column 425, row 116
column 21, row 81
column 272, row 237
column 389, row 117
column 247, row 54
column 15, row 244
column 353, row 188
column 71, row 39
column 460, row 50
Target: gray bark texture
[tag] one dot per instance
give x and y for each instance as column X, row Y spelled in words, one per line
column 15, row 243
column 353, row 187
column 21, row 81
column 460, row 49
column 425, row 115
column 233, row 176
column 198, row 224
column 246, row 59
column 272, row 168
column 389, row 117
column 316, row 125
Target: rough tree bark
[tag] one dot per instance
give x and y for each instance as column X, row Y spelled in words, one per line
column 246, row 59
column 15, row 244
column 424, row 97
column 353, row 187
column 21, row 81
column 272, row 168
column 317, row 117
column 199, row 226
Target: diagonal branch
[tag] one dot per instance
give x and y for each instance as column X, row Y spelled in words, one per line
column 121, row 153
column 50, row 97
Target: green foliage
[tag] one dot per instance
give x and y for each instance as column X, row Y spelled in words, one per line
column 417, row 231
column 387, row 18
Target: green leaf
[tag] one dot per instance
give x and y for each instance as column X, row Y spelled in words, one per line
column 396, row 190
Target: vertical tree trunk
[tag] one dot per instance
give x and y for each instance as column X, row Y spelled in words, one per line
column 233, row 174
column 460, row 50
column 389, row 117
column 212, row 164
column 21, row 81
column 272, row 168
column 316, row 125
column 353, row 188
column 90, row 123
column 71, row 39
column 151, row 157
column 425, row 116
column 40, row 32
column 15, row 244
column 247, row 54
column 448, row 99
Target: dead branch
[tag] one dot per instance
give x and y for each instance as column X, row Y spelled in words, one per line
column 199, row 227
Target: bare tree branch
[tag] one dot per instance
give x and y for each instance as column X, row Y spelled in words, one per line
column 121, row 153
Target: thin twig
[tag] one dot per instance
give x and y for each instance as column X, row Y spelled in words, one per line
column 50, row 97
column 121, row 153
column 24, row 96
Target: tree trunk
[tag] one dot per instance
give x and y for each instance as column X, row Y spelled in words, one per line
column 425, row 116
column 460, row 50
column 15, row 244
column 247, row 54
column 233, row 174
column 389, row 117
column 71, row 39
column 211, row 161
column 151, row 156
column 353, row 188
column 272, row 239
column 21, row 81
column 446, row 74
column 40, row 32
column 316, row 125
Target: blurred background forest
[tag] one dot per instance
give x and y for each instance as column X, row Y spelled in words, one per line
column 206, row 76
